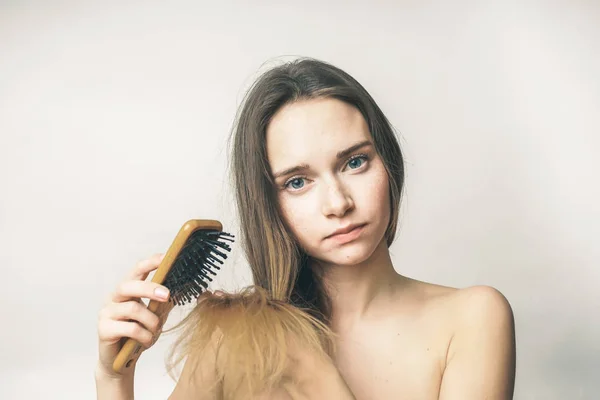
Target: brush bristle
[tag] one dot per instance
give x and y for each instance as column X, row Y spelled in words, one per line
column 203, row 252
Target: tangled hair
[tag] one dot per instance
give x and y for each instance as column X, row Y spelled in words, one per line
column 291, row 300
column 256, row 343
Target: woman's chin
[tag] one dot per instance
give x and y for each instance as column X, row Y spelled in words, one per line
column 347, row 255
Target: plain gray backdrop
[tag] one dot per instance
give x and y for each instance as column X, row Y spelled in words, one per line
column 114, row 119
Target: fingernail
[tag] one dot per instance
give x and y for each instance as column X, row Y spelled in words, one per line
column 162, row 292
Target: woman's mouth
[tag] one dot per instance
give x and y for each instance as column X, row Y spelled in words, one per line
column 342, row 238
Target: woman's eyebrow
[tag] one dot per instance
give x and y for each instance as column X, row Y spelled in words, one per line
column 353, row 148
column 341, row 154
column 293, row 170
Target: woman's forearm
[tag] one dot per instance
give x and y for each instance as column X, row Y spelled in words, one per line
column 110, row 387
column 320, row 379
column 331, row 385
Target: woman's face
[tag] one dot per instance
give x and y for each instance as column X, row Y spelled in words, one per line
column 329, row 177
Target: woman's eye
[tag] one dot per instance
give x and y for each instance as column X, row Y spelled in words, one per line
column 296, row 183
column 356, row 162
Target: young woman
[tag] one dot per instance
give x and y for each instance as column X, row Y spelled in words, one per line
column 319, row 175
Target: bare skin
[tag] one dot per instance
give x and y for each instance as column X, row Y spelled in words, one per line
column 399, row 338
column 422, row 341
column 125, row 316
column 404, row 350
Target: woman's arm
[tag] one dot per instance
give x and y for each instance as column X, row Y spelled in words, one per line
column 329, row 384
column 198, row 379
column 109, row 386
column 125, row 316
column 318, row 378
column 481, row 356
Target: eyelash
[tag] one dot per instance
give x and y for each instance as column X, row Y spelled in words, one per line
column 354, row 157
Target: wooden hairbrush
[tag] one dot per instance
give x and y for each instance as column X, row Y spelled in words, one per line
column 199, row 247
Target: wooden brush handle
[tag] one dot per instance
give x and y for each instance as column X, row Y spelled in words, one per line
column 132, row 349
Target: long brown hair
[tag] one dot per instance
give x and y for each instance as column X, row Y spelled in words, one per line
column 288, row 300
column 278, row 264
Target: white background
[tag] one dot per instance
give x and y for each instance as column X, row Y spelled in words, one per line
column 114, row 119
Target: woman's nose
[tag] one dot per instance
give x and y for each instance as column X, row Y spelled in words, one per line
column 337, row 201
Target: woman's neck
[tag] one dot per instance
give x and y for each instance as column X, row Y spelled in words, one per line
column 355, row 291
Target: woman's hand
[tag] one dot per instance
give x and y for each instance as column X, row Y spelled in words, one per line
column 125, row 315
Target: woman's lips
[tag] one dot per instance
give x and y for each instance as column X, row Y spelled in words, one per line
column 342, row 238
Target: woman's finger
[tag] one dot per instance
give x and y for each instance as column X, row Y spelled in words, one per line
column 143, row 268
column 130, row 290
column 137, row 312
column 111, row 331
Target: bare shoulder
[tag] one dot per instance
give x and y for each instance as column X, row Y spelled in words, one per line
column 482, row 348
column 483, row 298
column 480, row 307
column 466, row 313
column 478, row 324
column 480, row 302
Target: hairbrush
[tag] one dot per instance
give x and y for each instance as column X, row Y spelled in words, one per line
column 199, row 248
